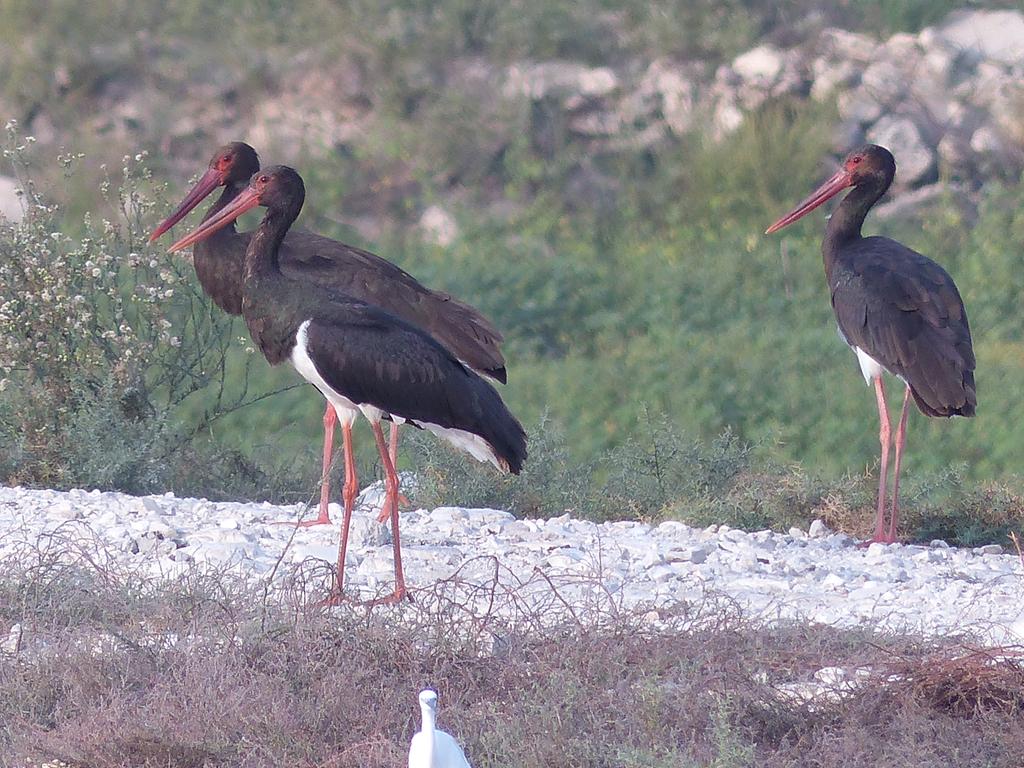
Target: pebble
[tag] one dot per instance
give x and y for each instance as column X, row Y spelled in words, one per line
column 990, row 549
column 814, row 575
column 818, row 530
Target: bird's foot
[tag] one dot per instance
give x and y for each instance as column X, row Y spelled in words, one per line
column 335, row 599
column 385, row 512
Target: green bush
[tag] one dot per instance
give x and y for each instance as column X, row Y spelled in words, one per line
column 105, row 343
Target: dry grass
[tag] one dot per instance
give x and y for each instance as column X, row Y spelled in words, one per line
column 115, row 669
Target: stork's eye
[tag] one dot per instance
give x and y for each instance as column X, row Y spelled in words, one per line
column 856, row 159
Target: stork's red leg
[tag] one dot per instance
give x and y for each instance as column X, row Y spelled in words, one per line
column 391, row 506
column 351, row 488
column 324, row 517
column 349, row 498
column 393, row 445
column 393, row 452
column 884, row 437
column 349, row 495
column 901, row 436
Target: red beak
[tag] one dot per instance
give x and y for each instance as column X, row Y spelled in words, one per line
column 209, row 182
column 247, row 200
column 839, row 181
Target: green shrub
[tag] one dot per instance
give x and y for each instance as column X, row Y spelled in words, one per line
column 104, row 345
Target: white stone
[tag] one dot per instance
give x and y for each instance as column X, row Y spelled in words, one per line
column 438, row 226
column 840, row 44
column 11, row 205
column 987, row 141
column 876, row 551
column 884, row 82
column 833, row 580
column 14, row 640
column 818, row 529
column 995, row 35
column 727, row 118
column 559, row 79
column 830, row 76
column 914, row 157
column 677, row 93
column 762, row 64
column 662, row 572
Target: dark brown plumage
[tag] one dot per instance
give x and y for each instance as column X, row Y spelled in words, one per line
column 900, row 311
column 313, row 258
column 360, row 357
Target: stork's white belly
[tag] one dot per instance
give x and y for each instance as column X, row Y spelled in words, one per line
column 869, row 367
column 303, row 363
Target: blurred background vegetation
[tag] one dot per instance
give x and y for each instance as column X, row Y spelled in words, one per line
column 654, row 315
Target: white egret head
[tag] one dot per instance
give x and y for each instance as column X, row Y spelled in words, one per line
column 428, row 699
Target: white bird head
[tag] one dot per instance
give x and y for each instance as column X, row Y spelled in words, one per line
column 428, row 699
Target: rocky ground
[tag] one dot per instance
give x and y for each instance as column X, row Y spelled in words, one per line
column 813, row 575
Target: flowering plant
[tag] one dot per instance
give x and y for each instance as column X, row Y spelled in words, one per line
column 102, row 335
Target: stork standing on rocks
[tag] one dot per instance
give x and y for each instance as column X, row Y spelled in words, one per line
column 361, row 358
column 309, row 258
column 899, row 311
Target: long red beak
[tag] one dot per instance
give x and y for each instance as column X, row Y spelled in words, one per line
column 839, row 181
column 209, row 182
column 246, row 201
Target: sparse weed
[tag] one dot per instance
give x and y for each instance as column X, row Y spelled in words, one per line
column 115, row 668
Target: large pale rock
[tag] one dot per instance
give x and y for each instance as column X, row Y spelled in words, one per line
column 987, row 141
column 858, row 106
column 994, row 35
column 840, row 45
column 914, row 157
column 884, row 81
column 761, row 65
column 313, row 109
column 829, row 75
column 668, row 88
column 559, row 79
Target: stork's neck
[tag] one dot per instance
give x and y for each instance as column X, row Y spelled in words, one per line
column 846, row 221
column 261, row 258
column 428, row 727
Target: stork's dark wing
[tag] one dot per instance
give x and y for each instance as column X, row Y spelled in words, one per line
column 463, row 330
column 374, row 358
column 904, row 310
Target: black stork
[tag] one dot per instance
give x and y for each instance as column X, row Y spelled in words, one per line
column 360, row 357
column 898, row 310
column 357, row 273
